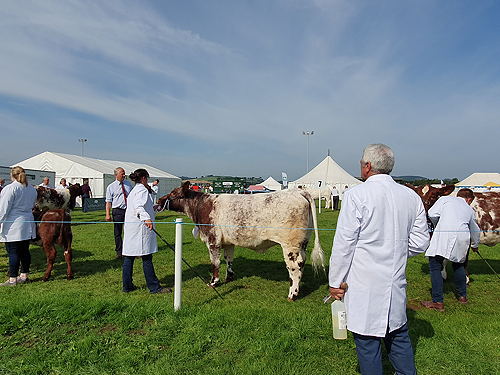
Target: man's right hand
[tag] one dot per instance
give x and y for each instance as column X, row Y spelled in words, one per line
column 338, row 293
column 108, row 217
column 474, row 249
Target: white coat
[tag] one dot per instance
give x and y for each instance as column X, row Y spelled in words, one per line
column 456, row 229
column 380, row 225
column 16, row 217
column 138, row 239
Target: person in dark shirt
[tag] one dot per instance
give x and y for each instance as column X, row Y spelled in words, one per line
column 86, row 193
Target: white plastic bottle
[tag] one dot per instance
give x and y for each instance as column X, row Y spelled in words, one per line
column 339, row 320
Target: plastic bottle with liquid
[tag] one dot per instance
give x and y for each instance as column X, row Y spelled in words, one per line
column 339, row 320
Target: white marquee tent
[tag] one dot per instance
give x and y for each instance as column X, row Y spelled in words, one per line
column 99, row 172
column 330, row 173
column 480, row 180
column 272, row 184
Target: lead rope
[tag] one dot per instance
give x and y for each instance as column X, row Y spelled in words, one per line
column 192, row 269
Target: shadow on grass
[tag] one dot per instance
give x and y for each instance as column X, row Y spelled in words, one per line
column 266, row 269
column 80, row 266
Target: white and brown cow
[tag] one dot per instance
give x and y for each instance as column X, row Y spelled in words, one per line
column 485, row 205
column 54, row 228
column 319, row 193
column 257, row 222
column 430, row 194
column 52, row 210
column 487, row 208
column 49, row 199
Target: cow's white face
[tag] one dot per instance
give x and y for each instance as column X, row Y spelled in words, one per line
column 50, row 199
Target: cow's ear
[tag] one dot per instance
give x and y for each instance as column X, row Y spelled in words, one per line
column 447, row 190
column 185, row 186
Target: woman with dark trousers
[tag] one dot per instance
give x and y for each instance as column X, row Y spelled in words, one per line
column 139, row 240
column 16, row 225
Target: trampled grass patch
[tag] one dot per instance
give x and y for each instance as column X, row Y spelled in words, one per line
column 88, row 326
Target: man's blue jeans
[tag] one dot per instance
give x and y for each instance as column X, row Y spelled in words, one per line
column 435, row 266
column 399, row 350
column 149, row 273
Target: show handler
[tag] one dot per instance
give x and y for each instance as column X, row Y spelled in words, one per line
column 456, row 230
column 139, row 239
column 381, row 223
column 17, row 227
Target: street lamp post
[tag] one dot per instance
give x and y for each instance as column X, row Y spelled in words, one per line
column 308, row 133
column 82, row 140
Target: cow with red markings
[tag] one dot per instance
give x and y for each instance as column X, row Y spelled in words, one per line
column 52, row 210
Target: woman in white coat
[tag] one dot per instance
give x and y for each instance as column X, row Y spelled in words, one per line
column 16, row 225
column 139, row 240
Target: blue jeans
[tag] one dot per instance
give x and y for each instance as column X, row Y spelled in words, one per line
column 85, row 198
column 435, row 266
column 149, row 273
column 399, row 350
column 19, row 254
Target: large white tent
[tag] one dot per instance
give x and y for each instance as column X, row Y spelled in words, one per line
column 100, row 173
column 272, row 184
column 330, row 173
column 480, row 180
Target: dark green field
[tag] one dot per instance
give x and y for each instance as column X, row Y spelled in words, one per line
column 88, row 326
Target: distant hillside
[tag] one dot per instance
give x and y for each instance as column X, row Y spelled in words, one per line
column 211, row 178
column 409, row 178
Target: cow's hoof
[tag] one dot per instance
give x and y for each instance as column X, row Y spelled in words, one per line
column 230, row 277
column 214, row 284
column 69, row 277
column 45, row 279
column 292, row 298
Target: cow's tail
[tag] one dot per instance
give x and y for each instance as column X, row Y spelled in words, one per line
column 317, row 255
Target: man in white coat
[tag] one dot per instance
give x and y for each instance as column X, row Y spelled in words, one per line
column 456, row 230
column 381, row 224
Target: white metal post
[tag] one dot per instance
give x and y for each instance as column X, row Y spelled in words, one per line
column 178, row 265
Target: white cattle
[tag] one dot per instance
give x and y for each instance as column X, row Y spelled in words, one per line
column 257, row 222
column 319, row 193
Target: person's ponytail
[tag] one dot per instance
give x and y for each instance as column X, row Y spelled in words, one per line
column 138, row 174
column 19, row 175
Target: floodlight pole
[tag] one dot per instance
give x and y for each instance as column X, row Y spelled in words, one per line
column 82, row 141
column 308, row 133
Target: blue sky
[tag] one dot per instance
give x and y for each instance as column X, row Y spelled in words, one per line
column 227, row 87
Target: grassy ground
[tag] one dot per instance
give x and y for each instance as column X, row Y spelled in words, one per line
column 88, row 326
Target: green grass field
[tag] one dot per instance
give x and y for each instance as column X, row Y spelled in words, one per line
column 88, row 326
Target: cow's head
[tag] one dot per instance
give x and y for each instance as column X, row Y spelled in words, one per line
column 177, row 199
column 431, row 194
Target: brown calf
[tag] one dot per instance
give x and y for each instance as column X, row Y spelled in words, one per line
column 55, row 229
